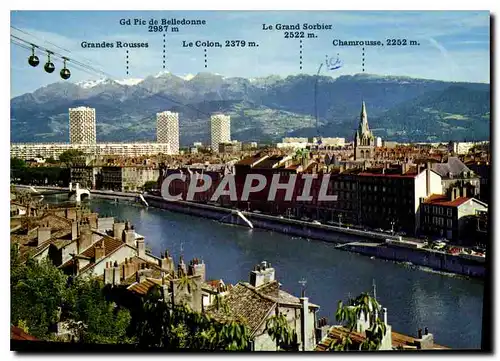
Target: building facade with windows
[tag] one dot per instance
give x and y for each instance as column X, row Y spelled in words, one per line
column 126, row 178
column 54, row 150
column 167, row 130
column 230, row 147
column 384, row 198
column 220, row 130
column 451, row 217
column 455, row 173
column 82, row 128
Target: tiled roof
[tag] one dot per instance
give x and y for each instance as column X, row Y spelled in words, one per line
column 293, row 166
column 156, row 271
column 246, row 305
column 273, row 291
column 454, row 166
column 398, row 339
column 55, row 239
column 442, row 200
column 55, row 222
column 214, row 283
column 143, row 287
column 269, row 162
column 388, row 175
column 336, row 333
column 19, row 335
column 249, row 160
column 110, row 244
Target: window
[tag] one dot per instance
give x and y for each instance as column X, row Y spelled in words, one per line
column 449, row 212
column 449, row 223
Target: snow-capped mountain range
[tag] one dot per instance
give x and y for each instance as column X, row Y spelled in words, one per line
column 266, row 108
column 87, row 84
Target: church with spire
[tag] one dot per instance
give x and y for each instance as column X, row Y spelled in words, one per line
column 364, row 141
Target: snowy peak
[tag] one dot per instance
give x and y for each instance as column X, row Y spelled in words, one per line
column 87, row 84
column 188, row 77
column 130, row 81
column 162, row 73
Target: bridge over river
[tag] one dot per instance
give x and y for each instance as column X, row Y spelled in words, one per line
column 74, row 192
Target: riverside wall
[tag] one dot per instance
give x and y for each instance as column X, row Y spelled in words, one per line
column 436, row 260
column 421, row 257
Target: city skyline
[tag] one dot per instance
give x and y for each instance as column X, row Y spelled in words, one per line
column 450, row 53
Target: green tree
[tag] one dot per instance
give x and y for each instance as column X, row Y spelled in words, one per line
column 42, row 295
column 69, row 157
column 150, row 185
column 280, row 331
column 37, row 292
column 176, row 327
column 92, row 317
column 17, row 163
column 347, row 315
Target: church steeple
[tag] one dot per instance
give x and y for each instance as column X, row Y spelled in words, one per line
column 363, row 120
column 364, row 141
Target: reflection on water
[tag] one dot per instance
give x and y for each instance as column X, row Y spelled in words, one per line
column 450, row 306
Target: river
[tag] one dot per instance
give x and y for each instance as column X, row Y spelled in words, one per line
column 450, row 306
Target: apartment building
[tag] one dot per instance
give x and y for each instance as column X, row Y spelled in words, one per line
column 167, row 130
column 451, row 217
column 126, row 178
column 455, row 173
column 230, row 147
column 54, row 150
column 220, row 130
column 82, row 128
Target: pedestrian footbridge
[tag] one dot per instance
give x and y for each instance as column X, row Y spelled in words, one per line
column 78, row 193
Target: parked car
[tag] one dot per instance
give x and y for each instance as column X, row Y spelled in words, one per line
column 316, row 222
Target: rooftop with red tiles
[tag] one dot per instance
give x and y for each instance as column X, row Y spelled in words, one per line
column 18, row 334
column 442, row 200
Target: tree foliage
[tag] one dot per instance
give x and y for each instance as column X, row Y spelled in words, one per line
column 150, row 185
column 177, row 327
column 280, row 331
column 17, row 163
column 37, row 291
column 99, row 321
column 42, row 296
column 363, row 306
column 70, row 156
column 42, row 175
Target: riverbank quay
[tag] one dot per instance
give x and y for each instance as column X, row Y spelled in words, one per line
column 373, row 244
column 462, row 264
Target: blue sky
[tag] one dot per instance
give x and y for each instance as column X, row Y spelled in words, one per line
column 454, row 45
